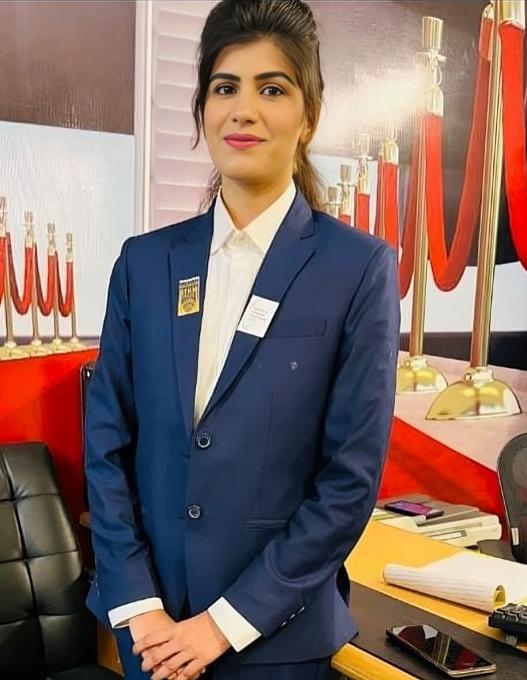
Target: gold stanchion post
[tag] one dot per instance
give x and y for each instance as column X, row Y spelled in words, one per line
column 57, row 345
column 389, row 153
column 479, row 394
column 10, row 349
column 36, row 346
column 74, row 343
column 379, row 219
column 363, row 179
column 333, row 202
column 415, row 374
column 346, row 190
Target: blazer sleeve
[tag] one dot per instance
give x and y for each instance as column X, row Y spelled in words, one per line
column 284, row 578
column 123, row 565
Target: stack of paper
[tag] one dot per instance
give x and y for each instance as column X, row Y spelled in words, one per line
column 471, row 579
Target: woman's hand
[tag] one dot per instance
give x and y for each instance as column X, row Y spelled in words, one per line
column 148, row 622
column 181, row 650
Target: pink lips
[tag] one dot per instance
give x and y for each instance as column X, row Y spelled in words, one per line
column 240, row 142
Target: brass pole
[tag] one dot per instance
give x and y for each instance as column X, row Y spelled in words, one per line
column 10, row 349
column 57, row 344
column 36, row 347
column 333, row 202
column 389, row 154
column 479, row 394
column 380, row 197
column 490, row 204
column 74, row 343
column 346, row 190
column 363, row 180
column 421, row 256
column 415, row 374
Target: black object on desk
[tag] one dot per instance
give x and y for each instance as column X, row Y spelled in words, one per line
column 512, row 619
column 375, row 611
column 441, row 650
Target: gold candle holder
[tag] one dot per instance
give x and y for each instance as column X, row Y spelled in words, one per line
column 415, row 374
column 479, row 394
column 10, row 349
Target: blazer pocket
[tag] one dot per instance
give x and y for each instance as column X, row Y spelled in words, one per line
column 266, row 523
column 295, row 328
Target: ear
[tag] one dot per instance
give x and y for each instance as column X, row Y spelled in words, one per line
column 305, row 133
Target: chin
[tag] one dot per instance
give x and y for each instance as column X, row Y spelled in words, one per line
column 243, row 175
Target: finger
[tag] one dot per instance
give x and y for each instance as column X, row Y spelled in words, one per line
column 154, row 656
column 194, row 677
column 172, row 666
column 156, row 637
column 191, row 670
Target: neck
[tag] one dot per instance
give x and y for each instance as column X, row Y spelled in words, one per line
column 245, row 202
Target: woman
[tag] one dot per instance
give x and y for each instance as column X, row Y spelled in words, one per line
column 239, row 413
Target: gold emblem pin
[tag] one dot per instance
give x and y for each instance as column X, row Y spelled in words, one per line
column 188, row 299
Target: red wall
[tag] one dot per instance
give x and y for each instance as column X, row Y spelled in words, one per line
column 40, row 400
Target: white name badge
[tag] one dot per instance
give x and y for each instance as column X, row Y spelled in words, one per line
column 257, row 316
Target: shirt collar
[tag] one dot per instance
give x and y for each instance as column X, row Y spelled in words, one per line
column 261, row 230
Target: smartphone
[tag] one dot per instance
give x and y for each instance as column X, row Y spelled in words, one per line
column 440, row 650
column 414, row 509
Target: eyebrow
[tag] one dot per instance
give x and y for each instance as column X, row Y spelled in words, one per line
column 260, row 76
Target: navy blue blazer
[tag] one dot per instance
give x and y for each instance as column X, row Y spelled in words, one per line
column 261, row 502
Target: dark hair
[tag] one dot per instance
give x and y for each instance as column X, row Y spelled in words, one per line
column 290, row 24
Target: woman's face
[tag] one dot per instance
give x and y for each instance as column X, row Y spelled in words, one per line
column 253, row 91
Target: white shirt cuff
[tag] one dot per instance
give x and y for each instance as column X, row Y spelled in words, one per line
column 238, row 631
column 120, row 615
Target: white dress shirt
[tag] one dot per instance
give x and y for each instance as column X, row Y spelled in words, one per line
column 235, row 258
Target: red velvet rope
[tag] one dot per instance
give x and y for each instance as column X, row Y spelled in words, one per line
column 46, row 305
column 448, row 266
column 362, row 212
column 2, row 267
column 21, row 303
column 65, row 304
column 514, row 134
column 406, row 264
column 390, row 173
column 379, row 206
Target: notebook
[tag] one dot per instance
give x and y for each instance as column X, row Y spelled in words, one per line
column 471, row 579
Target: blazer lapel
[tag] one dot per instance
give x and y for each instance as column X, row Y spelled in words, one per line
column 290, row 250
column 189, row 255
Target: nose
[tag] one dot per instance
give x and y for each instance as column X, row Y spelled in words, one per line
column 244, row 106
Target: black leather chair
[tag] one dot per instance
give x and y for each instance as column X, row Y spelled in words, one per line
column 512, row 475
column 46, row 632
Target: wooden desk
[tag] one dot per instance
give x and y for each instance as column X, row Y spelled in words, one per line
column 381, row 544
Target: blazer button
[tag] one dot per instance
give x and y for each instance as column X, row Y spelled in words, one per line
column 194, row 511
column 203, row 440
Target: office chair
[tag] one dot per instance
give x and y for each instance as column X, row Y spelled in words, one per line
column 512, row 476
column 46, row 632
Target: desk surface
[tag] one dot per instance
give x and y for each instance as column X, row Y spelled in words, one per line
column 381, row 544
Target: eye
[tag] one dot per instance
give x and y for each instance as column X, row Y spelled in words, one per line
column 221, row 87
column 277, row 90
